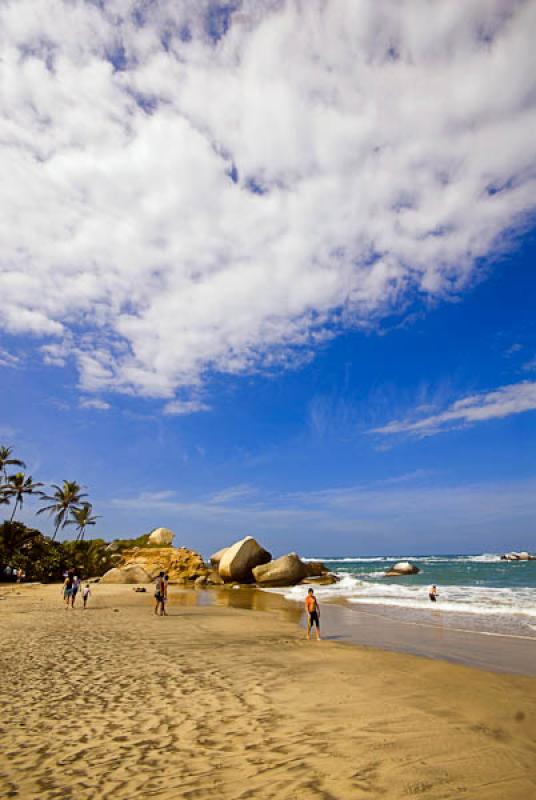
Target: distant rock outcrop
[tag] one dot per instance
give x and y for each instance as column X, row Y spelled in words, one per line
column 522, row 556
column 162, row 537
column 239, row 560
column 402, row 568
column 285, row 571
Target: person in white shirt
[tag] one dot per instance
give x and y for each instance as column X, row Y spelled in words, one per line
column 86, row 594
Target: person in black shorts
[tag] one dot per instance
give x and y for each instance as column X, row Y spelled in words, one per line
column 432, row 593
column 159, row 594
column 313, row 614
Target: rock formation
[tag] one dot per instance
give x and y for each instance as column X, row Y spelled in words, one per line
column 215, row 558
column 162, row 537
column 402, row 568
column 285, row 571
column 522, row 556
column 179, row 563
column 129, row 573
column 239, row 560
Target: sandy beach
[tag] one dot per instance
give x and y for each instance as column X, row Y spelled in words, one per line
column 223, row 702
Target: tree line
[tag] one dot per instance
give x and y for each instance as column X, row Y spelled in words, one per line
column 65, row 504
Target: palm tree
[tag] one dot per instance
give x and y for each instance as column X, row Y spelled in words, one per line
column 66, row 498
column 18, row 486
column 81, row 517
column 6, row 460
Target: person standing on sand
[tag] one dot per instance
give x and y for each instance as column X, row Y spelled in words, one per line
column 159, row 594
column 75, row 588
column 67, row 590
column 432, row 593
column 86, row 593
column 165, row 597
column 313, row 613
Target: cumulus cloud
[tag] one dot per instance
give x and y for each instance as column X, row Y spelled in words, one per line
column 196, row 187
column 502, row 402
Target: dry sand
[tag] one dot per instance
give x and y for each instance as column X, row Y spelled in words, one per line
column 215, row 702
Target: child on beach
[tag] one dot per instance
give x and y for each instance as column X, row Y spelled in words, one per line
column 313, row 613
column 86, row 594
column 432, row 593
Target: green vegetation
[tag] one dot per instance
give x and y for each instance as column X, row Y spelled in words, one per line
column 39, row 556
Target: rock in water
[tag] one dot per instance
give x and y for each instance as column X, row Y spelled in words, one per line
column 315, row 569
column 162, row 537
column 131, row 573
column 214, row 579
column 285, row 571
column 522, row 556
column 238, row 561
column 402, row 568
column 215, row 558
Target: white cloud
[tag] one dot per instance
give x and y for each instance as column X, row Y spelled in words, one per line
column 8, row 359
column 502, row 402
column 232, row 493
column 94, row 403
column 172, row 205
column 182, row 407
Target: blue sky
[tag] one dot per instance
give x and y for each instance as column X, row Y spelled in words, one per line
column 292, row 456
column 286, row 291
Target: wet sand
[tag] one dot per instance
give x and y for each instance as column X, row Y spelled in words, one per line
column 217, row 701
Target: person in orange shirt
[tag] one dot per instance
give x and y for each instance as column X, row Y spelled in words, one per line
column 313, row 613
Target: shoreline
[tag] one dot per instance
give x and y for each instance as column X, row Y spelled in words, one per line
column 365, row 625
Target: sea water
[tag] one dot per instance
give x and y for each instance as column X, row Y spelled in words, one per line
column 476, row 592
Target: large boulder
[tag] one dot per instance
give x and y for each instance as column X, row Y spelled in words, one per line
column 162, row 537
column 130, row 573
column 215, row 558
column 402, row 568
column 239, row 560
column 285, row 571
column 315, row 569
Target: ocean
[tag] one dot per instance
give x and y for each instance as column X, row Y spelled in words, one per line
column 476, row 592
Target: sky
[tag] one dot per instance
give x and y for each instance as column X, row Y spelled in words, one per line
column 267, row 268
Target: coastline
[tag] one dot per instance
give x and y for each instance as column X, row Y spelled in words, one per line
column 217, row 700
column 372, row 626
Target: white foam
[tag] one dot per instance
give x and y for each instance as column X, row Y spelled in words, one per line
column 477, row 600
column 483, row 558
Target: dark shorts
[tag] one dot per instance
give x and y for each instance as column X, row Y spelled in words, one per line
column 313, row 618
column 432, row 598
column 158, row 597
